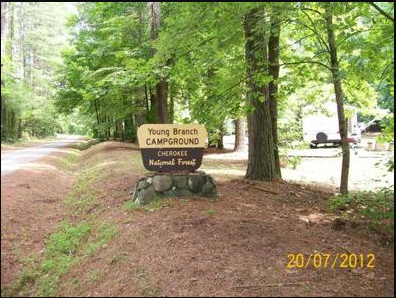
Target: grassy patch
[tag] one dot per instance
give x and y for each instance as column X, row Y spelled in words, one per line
column 375, row 207
column 131, row 205
column 86, row 179
column 66, row 247
column 209, row 212
column 70, row 243
column 95, row 276
column 69, row 160
column 157, row 204
column 83, row 198
column 24, row 280
column 87, row 144
column 105, row 233
column 60, row 254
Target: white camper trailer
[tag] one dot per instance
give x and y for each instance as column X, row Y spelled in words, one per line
column 322, row 127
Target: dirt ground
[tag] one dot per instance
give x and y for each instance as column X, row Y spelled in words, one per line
column 235, row 246
column 31, row 206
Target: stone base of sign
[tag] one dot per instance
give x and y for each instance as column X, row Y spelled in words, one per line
column 174, row 185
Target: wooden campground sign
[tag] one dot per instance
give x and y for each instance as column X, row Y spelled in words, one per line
column 172, row 147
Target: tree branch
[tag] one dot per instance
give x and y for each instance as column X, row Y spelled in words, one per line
column 381, row 11
column 308, row 62
column 314, row 30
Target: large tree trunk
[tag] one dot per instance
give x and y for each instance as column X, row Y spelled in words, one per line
column 162, row 102
column 340, row 100
column 239, row 135
column 161, row 96
column 261, row 164
column 273, row 59
column 139, row 119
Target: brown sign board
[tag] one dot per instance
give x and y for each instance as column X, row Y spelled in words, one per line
column 172, row 147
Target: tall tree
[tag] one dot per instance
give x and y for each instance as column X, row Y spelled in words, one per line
column 161, row 95
column 261, row 163
column 336, row 76
column 273, row 59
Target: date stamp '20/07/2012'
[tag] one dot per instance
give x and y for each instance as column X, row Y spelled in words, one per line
column 333, row 261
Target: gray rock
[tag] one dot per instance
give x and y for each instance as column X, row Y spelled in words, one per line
column 145, row 196
column 142, row 184
column 180, row 181
column 181, row 192
column 195, row 182
column 174, row 185
column 162, row 183
column 177, row 193
column 208, row 189
column 168, row 194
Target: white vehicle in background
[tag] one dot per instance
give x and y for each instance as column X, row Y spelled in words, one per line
column 322, row 127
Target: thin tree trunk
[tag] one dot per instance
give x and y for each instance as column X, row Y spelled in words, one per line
column 273, row 59
column 220, row 141
column 141, row 106
column 146, row 100
column 172, row 105
column 261, row 164
column 339, row 99
column 97, row 119
column 19, row 128
column 4, row 132
column 239, row 135
column 153, row 107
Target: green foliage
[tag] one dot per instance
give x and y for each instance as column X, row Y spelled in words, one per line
column 388, row 131
column 293, row 161
column 375, row 206
column 391, row 165
column 36, row 32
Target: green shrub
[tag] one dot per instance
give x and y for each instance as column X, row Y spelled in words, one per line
column 375, row 206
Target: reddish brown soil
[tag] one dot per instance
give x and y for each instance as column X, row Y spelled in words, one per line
column 31, row 206
column 236, row 246
column 238, row 249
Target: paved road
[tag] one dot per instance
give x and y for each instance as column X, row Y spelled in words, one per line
column 19, row 159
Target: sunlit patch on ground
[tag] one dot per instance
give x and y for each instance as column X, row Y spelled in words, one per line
column 317, row 218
